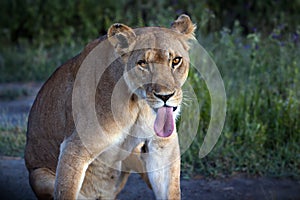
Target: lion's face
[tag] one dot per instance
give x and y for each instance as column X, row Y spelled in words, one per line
column 157, row 63
column 158, row 73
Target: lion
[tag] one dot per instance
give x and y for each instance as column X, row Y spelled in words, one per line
column 109, row 111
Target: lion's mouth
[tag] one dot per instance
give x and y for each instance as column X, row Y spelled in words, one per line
column 164, row 121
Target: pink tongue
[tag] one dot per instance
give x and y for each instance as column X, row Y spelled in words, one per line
column 164, row 122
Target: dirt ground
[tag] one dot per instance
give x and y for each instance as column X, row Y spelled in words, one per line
column 14, row 185
column 14, row 177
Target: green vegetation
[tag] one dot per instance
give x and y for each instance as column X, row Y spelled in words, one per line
column 9, row 94
column 12, row 141
column 257, row 55
column 26, row 62
column 262, row 130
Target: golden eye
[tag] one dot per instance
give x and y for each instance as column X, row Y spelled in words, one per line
column 142, row 63
column 176, row 61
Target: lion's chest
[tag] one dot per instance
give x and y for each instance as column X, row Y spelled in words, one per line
column 109, row 163
column 131, row 137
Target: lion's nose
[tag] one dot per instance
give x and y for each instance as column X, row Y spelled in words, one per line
column 164, row 97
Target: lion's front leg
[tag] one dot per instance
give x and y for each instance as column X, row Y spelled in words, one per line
column 162, row 162
column 73, row 162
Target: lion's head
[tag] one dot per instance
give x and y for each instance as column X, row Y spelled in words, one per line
column 157, row 63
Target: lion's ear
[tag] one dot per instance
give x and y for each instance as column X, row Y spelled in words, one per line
column 121, row 37
column 183, row 24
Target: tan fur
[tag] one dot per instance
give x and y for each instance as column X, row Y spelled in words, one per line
column 66, row 161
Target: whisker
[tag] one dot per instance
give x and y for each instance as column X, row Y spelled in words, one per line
column 187, row 101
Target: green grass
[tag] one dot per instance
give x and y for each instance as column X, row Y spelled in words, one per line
column 262, row 129
column 261, row 135
column 27, row 62
column 9, row 94
column 12, row 135
column 12, row 141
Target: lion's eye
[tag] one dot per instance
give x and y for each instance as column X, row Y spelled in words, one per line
column 142, row 63
column 176, row 61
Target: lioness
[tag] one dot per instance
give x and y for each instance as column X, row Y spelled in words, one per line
column 109, row 110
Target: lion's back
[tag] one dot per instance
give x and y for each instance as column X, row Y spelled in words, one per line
column 50, row 119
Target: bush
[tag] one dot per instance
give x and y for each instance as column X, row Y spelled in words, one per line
column 52, row 21
column 28, row 63
column 262, row 130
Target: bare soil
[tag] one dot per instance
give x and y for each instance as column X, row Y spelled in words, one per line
column 14, row 177
column 14, row 185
